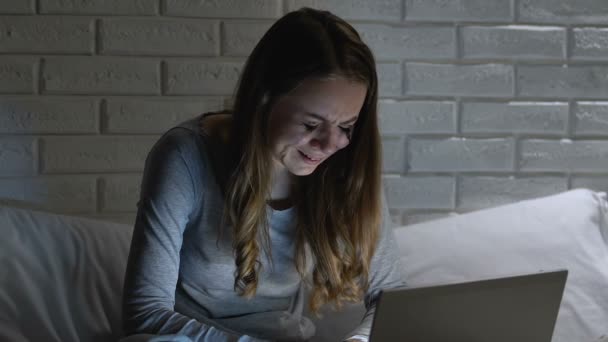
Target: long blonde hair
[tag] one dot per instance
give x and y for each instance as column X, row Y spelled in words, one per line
column 340, row 223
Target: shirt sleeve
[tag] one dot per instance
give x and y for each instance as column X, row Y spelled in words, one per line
column 168, row 198
column 385, row 273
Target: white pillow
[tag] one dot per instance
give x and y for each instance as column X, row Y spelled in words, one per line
column 568, row 230
column 60, row 277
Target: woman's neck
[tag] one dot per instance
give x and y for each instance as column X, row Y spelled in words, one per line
column 281, row 192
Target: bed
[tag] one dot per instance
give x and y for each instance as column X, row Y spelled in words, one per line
column 61, row 276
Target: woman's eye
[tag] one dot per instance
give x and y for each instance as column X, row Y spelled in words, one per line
column 309, row 126
column 347, row 130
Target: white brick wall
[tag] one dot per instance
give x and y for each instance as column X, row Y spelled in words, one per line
column 483, row 102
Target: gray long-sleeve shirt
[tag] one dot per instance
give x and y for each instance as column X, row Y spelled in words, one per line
column 180, row 275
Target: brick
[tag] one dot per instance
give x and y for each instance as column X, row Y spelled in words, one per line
column 202, row 77
column 110, row 7
column 459, row 80
column 419, row 192
column 564, row 11
column 37, row 34
column 458, row 10
column 590, row 118
column 17, row 74
column 120, row 193
column 403, row 117
column 513, row 41
column 389, row 79
column 224, row 8
column 562, row 81
column 17, row 7
column 461, row 154
column 383, row 10
column 239, row 38
column 95, row 153
column 597, row 183
column 127, row 115
column 101, row 75
column 67, row 194
column 396, row 42
column 415, row 216
column 166, row 37
column 393, row 155
column 590, row 43
column 44, row 115
column 486, row 192
column 17, row 156
column 514, row 117
column 564, row 155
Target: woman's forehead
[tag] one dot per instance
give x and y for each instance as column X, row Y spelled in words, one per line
column 329, row 97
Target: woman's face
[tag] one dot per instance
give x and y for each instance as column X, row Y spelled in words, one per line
column 312, row 122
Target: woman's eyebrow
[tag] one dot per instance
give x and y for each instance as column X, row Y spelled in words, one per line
column 322, row 118
column 316, row 116
column 351, row 120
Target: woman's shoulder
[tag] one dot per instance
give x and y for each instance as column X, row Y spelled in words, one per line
column 183, row 139
column 202, row 144
column 198, row 136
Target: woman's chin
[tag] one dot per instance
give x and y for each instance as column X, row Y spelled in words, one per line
column 302, row 171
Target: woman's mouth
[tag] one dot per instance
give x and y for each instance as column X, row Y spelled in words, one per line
column 308, row 158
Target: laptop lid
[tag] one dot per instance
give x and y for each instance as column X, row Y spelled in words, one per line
column 520, row 308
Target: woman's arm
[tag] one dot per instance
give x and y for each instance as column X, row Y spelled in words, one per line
column 168, row 198
column 385, row 273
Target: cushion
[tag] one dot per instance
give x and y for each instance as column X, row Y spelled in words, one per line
column 60, row 277
column 568, row 230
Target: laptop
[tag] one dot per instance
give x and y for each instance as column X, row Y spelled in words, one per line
column 519, row 308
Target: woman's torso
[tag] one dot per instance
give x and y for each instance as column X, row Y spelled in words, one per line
column 206, row 276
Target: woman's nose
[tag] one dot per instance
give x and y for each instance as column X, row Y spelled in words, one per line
column 327, row 140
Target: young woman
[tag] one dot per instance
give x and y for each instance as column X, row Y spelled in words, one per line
column 241, row 211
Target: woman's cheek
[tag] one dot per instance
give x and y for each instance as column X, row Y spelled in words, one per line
column 343, row 142
column 292, row 136
column 301, row 138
